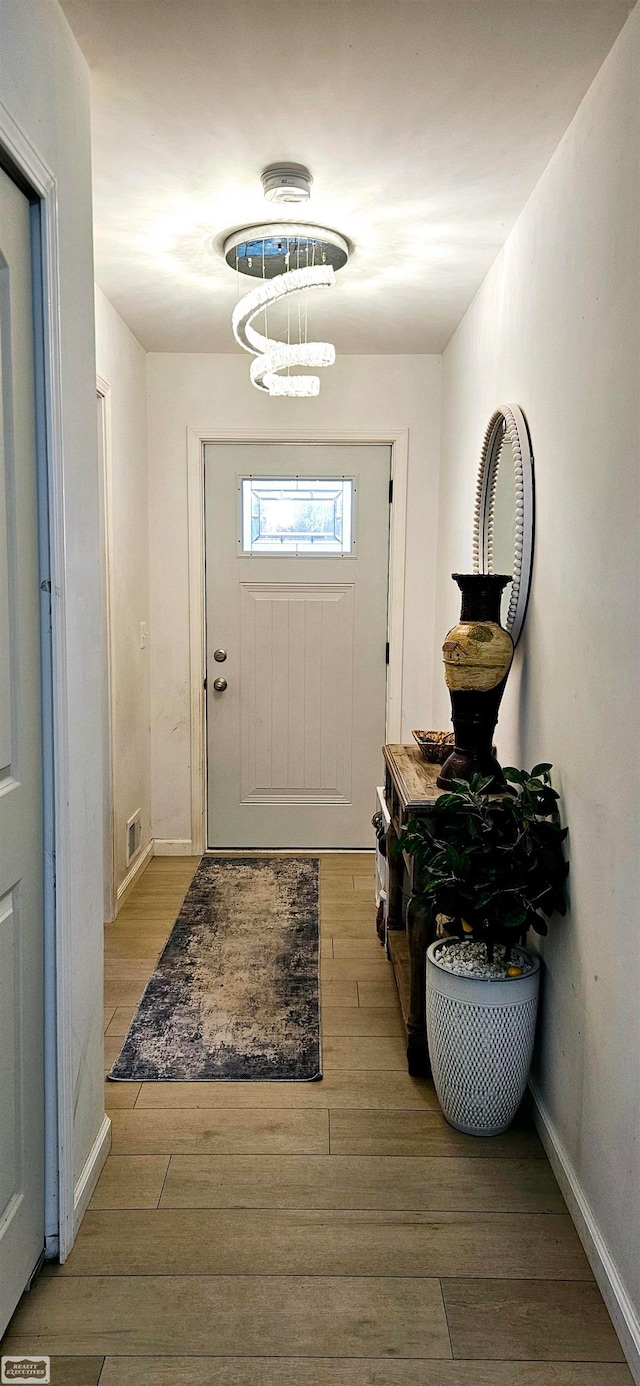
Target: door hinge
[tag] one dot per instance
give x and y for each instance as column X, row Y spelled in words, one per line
column 390, row 490
column 45, row 586
column 386, row 658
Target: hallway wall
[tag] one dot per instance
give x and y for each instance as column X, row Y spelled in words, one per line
column 121, row 362
column 555, row 329
column 366, row 392
column 45, row 88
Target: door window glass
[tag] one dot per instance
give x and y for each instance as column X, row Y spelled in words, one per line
column 296, row 515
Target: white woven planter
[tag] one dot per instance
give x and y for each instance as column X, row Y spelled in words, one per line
column 480, row 1035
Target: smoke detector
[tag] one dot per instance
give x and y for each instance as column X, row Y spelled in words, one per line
column 287, row 183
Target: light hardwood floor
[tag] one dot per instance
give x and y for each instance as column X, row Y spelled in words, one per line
column 323, row 1234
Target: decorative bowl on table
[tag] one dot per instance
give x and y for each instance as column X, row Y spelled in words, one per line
column 435, row 745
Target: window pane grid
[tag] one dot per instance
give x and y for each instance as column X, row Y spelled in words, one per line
column 297, row 515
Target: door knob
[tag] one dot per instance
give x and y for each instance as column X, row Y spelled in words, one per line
column 219, row 685
column 219, row 656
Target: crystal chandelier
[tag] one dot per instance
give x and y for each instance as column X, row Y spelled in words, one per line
column 288, row 260
column 273, row 356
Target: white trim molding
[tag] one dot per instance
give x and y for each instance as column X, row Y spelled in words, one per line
column 133, row 875
column 225, row 852
column 623, row 1313
column 103, row 390
column 59, row 1097
column 174, row 847
column 91, row 1171
column 398, row 441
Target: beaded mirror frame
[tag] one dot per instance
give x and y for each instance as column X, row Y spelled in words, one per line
column 507, row 424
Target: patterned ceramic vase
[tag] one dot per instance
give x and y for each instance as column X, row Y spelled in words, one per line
column 477, row 658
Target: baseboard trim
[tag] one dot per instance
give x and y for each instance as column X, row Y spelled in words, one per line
column 183, row 847
column 174, row 847
column 289, row 852
column 91, row 1172
column 622, row 1311
column 133, row 876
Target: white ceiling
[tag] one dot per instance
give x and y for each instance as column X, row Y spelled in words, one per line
column 425, row 123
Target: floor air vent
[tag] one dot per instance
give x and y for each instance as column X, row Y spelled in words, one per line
column 134, row 836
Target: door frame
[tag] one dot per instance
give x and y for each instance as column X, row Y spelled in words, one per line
column 398, row 442
column 21, row 161
column 103, row 392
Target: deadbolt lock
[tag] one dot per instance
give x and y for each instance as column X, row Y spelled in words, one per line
column 219, row 656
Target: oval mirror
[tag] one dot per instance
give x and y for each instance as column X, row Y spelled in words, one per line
column 503, row 526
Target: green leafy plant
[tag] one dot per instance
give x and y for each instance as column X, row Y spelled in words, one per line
column 494, row 866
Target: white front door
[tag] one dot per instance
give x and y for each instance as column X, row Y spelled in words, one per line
column 296, row 544
column 21, row 846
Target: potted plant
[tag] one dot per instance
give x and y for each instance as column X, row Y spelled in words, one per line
column 489, row 868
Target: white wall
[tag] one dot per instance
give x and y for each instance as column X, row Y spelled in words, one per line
column 44, row 86
column 555, row 329
column 209, row 391
column 121, row 362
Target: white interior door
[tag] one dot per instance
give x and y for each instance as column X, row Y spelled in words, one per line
column 296, row 543
column 21, row 829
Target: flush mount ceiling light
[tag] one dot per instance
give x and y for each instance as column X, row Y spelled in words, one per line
column 287, row 183
column 287, row 260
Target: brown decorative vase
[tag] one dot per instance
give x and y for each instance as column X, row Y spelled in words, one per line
column 477, row 658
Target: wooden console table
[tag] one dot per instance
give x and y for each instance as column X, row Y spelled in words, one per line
column 410, row 792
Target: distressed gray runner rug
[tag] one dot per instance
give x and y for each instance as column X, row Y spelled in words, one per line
column 235, row 994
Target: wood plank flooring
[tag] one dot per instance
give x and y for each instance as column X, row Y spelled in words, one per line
column 323, row 1234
